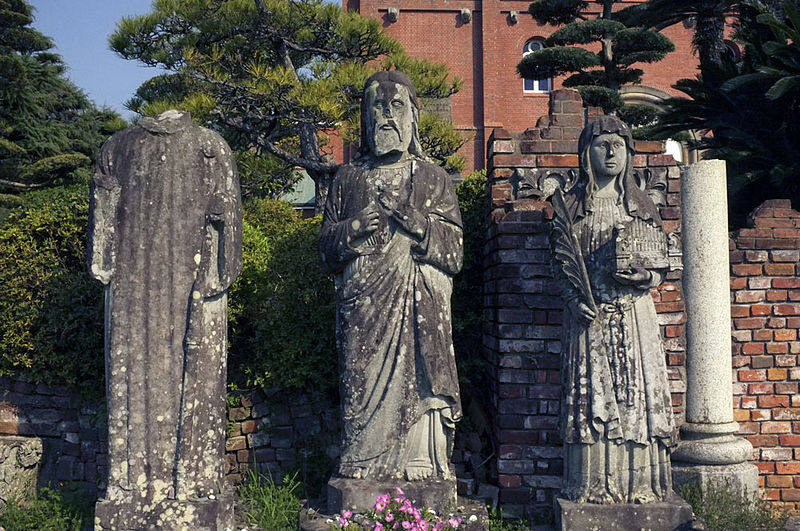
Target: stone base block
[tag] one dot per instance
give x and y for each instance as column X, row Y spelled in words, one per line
column 741, row 477
column 166, row 515
column 473, row 514
column 669, row 515
column 360, row 494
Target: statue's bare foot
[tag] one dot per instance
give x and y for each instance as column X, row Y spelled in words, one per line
column 418, row 469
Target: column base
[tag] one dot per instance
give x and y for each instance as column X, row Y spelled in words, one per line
column 165, row 515
column 712, row 444
column 359, row 494
column 668, row 515
column 742, row 478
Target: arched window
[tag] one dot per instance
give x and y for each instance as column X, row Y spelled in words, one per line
column 535, row 85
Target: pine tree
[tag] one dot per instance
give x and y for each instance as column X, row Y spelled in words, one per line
column 48, row 127
column 271, row 75
column 598, row 76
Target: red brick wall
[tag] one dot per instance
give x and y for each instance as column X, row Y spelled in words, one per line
column 484, row 54
column 765, row 295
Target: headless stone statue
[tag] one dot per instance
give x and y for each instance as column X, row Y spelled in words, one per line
column 392, row 235
column 165, row 239
column 617, row 422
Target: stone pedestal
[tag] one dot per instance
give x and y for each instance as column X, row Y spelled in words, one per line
column 708, row 442
column 662, row 516
column 359, row 494
column 166, row 515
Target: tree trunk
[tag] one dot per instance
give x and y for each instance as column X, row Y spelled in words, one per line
column 709, row 39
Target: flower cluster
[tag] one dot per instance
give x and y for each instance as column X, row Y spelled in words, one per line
column 397, row 512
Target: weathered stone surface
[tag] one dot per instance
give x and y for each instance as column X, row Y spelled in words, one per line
column 166, row 515
column 392, row 235
column 668, row 515
column 610, row 250
column 708, row 439
column 20, row 458
column 165, row 239
column 740, row 478
column 360, row 494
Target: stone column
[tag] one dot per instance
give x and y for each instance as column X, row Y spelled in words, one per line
column 709, row 452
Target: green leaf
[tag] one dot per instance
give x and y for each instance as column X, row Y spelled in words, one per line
column 585, row 32
column 783, row 86
column 557, row 12
column 552, row 62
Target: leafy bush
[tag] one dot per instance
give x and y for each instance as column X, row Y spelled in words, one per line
column 50, row 510
column 468, row 284
column 282, row 306
column 51, row 317
column 269, row 505
column 722, row 508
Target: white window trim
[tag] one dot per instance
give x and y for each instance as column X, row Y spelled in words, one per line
column 536, row 82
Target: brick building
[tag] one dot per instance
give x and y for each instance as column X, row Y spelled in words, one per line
column 481, row 42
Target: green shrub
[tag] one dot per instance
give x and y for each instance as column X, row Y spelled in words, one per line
column 468, row 284
column 499, row 522
column 51, row 318
column 50, row 510
column 269, row 505
column 722, row 508
column 282, row 306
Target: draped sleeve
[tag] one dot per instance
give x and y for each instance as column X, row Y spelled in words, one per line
column 104, row 199
column 334, row 239
column 443, row 245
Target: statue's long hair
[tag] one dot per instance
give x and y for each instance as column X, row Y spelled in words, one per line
column 394, row 76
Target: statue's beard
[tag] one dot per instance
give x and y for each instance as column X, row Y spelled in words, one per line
column 387, row 138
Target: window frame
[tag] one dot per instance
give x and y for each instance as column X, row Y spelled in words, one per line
column 537, row 83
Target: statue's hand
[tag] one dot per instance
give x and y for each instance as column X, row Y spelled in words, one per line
column 364, row 223
column 638, row 277
column 581, row 312
column 412, row 221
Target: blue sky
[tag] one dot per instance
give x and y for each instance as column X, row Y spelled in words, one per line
column 80, row 30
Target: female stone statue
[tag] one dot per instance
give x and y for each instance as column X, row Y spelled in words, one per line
column 610, row 250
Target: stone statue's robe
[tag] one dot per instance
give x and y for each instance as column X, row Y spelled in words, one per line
column 617, row 419
column 398, row 373
column 165, row 236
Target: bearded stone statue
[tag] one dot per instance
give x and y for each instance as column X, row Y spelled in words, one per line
column 392, row 236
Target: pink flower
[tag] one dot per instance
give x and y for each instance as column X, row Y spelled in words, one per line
column 378, row 526
column 407, row 525
column 347, row 515
column 407, row 507
column 417, row 515
column 400, row 491
column 454, row 522
column 381, row 502
column 389, row 516
column 438, row 526
column 423, row 525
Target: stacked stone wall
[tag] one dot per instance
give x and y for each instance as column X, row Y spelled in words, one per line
column 282, row 432
column 74, row 440
column 765, row 297
column 523, row 312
